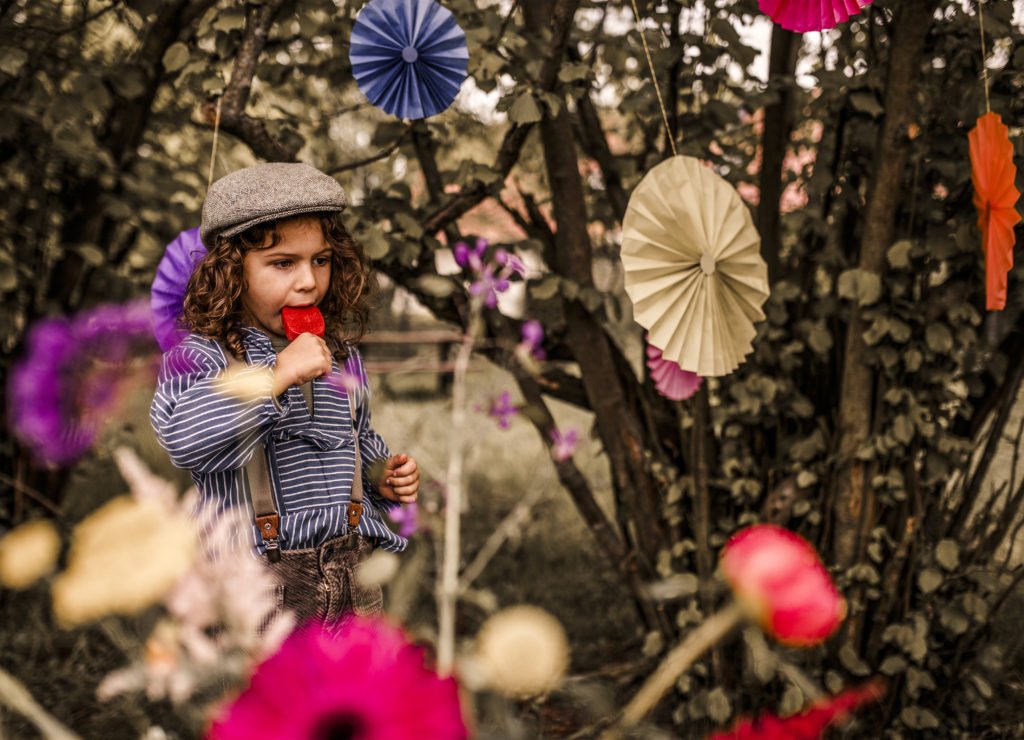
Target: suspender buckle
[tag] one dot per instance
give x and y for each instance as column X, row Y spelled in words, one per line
column 269, row 525
column 355, row 511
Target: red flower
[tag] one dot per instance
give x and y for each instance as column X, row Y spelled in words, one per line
column 809, row 724
column 362, row 681
column 781, row 583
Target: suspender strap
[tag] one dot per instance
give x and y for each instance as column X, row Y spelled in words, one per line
column 268, row 521
column 355, row 505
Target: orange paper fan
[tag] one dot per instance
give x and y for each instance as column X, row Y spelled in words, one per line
column 993, row 175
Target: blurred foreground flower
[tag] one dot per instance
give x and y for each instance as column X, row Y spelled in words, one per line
column 781, row 583
column 76, row 374
column 221, row 615
column 407, row 517
column 810, row 724
column 521, row 651
column 27, row 553
column 362, row 681
column 124, row 557
column 670, row 380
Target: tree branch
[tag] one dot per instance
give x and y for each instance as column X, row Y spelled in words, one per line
column 233, row 119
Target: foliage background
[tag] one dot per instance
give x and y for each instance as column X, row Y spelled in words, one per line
column 872, row 417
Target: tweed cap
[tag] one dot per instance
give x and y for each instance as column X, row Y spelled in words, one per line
column 267, row 192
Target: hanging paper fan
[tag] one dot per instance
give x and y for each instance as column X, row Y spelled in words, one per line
column 168, row 293
column 693, row 267
column 409, row 57
column 811, row 15
column 672, row 381
column 995, row 197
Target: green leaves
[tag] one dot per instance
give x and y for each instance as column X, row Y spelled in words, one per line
column 175, row 57
column 859, row 285
column 525, row 110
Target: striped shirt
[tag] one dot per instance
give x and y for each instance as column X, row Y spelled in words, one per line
column 310, row 456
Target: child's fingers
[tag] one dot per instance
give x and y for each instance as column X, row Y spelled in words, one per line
column 408, row 469
column 408, row 494
column 397, row 481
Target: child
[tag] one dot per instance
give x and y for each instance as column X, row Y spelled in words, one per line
column 296, row 454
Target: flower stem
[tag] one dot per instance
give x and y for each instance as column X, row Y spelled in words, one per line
column 448, row 589
column 681, row 657
column 14, row 694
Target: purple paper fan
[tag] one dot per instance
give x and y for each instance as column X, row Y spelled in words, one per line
column 172, row 276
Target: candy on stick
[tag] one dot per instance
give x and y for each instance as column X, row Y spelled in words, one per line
column 301, row 320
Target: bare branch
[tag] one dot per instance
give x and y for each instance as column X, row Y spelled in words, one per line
column 233, row 119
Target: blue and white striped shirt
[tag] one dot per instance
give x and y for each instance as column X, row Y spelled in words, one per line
column 310, row 456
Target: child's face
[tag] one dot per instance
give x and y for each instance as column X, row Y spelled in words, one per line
column 295, row 272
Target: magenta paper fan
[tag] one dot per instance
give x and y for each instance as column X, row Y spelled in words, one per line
column 672, row 381
column 168, row 294
column 802, row 16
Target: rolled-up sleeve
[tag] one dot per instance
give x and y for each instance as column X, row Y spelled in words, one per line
column 205, row 423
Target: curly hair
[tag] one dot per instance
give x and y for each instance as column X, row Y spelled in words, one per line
column 213, row 299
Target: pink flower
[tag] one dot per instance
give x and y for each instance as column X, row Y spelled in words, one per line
column 809, row 724
column 672, row 381
column 781, row 583
column 509, row 261
column 564, row 445
column 503, row 409
column 362, row 681
column 533, row 337
column 407, row 517
column 470, row 257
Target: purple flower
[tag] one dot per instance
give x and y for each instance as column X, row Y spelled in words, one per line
column 533, row 336
column 470, row 257
column 503, row 409
column 563, row 445
column 489, row 285
column 509, row 261
column 407, row 516
column 75, row 374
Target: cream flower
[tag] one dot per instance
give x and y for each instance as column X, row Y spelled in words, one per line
column 522, row 651
column 124, row 557
column 28, row 553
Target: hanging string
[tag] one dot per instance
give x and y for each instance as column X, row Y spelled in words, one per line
column 213, row 149
column 984, row 54
column 654, row 79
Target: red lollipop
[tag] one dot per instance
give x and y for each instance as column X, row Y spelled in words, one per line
column 301, row 320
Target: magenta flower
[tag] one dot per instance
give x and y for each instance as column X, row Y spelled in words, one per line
column 510, row 262
column 563, row 445
column 407, row 517
column 363, row 681
column 503, row 409
column 533, row 337
column 74, row 376
column 489, row 285
column 470, row 257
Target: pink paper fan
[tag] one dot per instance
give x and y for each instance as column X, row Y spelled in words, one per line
column 671, row 380
column 802, row 16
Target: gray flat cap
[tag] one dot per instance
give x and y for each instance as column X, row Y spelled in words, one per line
column 267, row 192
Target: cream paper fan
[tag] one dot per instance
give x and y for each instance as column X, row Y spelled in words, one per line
column 693, row 267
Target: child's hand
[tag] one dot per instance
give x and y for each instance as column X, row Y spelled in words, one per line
column 400, row 480
column 304, row 359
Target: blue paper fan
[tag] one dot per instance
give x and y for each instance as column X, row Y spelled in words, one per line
column 409, row 57
column 168, row 294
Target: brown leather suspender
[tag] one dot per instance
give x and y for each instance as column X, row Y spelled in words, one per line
column 267, row 519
